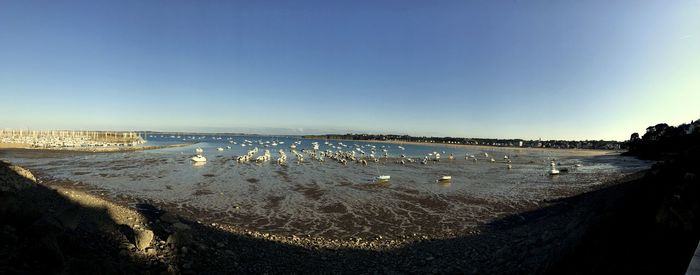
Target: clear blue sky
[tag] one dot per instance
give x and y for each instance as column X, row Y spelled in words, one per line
column 510, row 69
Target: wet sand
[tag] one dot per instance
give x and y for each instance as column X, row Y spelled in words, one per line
column 328, row 200
column 108, row 237
column 14, row 146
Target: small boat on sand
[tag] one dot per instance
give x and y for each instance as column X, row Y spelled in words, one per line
column 199, row 158
column 553, row 171
column 383, row 178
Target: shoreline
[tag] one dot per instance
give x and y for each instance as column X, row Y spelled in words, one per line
column 180, row 242
column 604, row 221
column 573, row 151
column 380, row 243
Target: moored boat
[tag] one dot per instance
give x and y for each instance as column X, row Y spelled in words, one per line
column 553, row 171
column 383, row 178
column 199, row 158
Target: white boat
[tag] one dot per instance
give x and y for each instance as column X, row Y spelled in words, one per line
column 220, row 149
column 445, row 178
column 199, row 158
column 554, row 170
column 383, row 178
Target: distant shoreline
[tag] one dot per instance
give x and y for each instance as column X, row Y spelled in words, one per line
column 579, row 152
column 93, row 149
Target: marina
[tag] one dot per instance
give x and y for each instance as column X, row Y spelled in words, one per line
column 62, row 139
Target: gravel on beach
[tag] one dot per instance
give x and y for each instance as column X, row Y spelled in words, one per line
column 82, row 231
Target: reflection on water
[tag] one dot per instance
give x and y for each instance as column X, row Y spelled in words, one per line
column 330, row 199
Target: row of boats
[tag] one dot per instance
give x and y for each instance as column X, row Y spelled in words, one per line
column 341, row 158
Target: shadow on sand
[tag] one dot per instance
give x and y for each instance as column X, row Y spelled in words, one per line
column 638, row 225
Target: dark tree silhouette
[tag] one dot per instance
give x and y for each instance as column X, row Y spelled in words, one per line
column 664, row 141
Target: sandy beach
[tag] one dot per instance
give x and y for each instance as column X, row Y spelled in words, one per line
column 15, row 146
column 157, row 212
column 146, row 237
column 325, row 198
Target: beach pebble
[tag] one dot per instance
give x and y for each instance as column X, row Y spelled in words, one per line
column 143, row 239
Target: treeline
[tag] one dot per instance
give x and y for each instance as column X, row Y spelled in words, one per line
column 657, row 217
column 564, row 144
column 664, row 141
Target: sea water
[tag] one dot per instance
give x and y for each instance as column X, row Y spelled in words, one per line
column 327, row 198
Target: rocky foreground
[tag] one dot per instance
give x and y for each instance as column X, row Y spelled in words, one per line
column 47, row 228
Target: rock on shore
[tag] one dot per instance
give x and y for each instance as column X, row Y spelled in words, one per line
column 45, row 230
column 14, row 178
